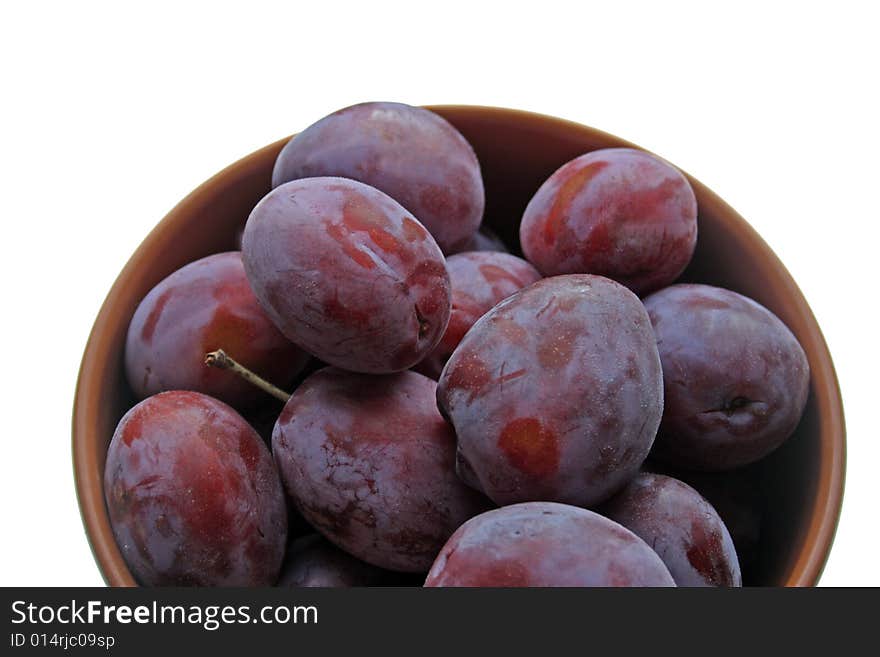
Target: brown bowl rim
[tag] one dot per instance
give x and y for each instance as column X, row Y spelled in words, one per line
column 815, row 547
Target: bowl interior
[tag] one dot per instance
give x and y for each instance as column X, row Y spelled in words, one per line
column 801, row 483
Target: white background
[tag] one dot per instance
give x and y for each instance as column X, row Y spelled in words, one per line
column 111, row 114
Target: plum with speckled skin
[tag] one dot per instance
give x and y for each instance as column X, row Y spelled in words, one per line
column 680, row 526
column 556, row 393
column 483, row 240
column 617, row 212
column 479, row 279
column 348, row 274
column 203, row 306
column 736, row 379
column 193, row 495
column 369, row 462
column 545, row 544
column 412, row 154
column 313, row 561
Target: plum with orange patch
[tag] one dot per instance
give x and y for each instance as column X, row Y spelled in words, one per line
column 204, row 306
column 539, row 544
column 410, row 153
column 556, row 393
column 617, row 212
column 347, row 273
column 193, row 495
column 530, row 446
column 681, row 526
column 369, row 462
column 479, row 280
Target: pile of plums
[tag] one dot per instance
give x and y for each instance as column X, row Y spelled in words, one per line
column 459, row 416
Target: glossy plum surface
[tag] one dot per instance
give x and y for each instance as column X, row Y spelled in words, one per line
column 556, row 393
column 313, row 561
column 617, row 212
column 193, row 495
column 545, row 544
column 204, row 306
column 736, row 379
column 344, row 271
column 680, row 526
column 479, row 279
column 370, row 463
column 410, row 153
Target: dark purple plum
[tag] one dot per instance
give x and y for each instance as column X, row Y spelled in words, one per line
column 313, row 561
column 412, row 154
column 617, row 212
column 483, row 240
column 680, row 526
column 736, row 379
column 479, row 279
column 545, row 544
column 344, row 271
column 370, row 463
column 204, row 306
column 193, row 495
column 556, row 393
